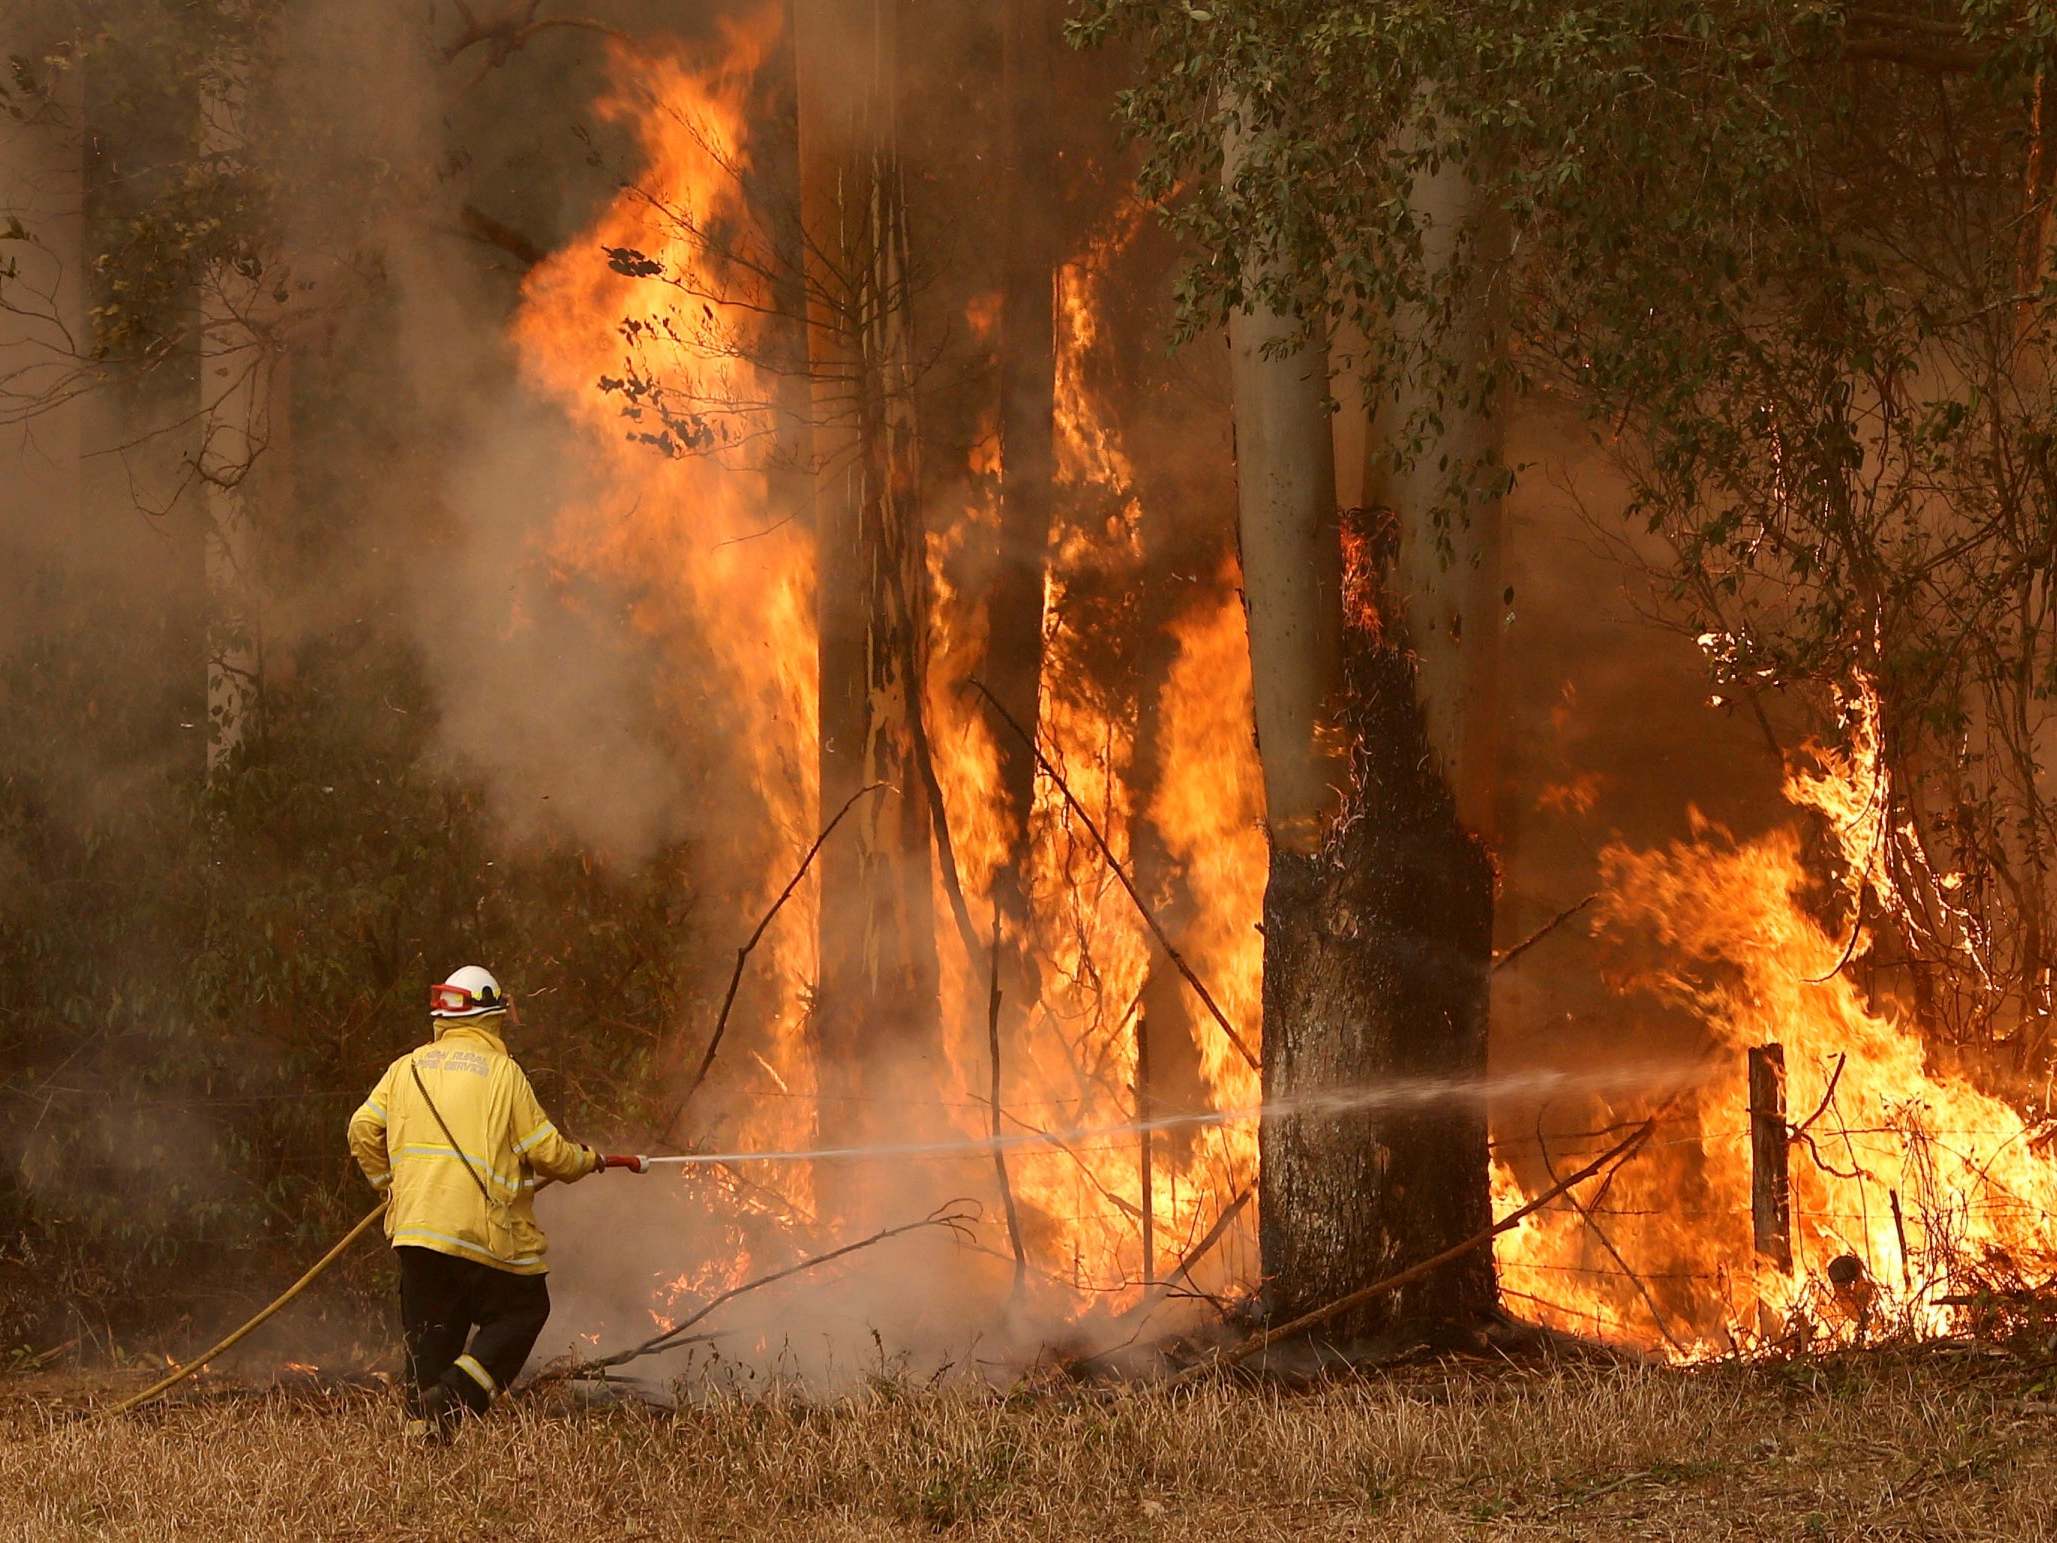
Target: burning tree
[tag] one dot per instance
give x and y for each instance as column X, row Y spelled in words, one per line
column 1373, row 700
column 876, row 996
column 838, row 618
column 1763, row 249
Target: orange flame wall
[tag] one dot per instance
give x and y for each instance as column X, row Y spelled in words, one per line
column 651, row 351
column 1914, row 1177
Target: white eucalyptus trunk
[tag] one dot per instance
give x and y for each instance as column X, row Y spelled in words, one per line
column 1292, row 558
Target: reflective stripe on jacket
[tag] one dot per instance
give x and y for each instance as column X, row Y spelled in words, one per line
column 502, row 1137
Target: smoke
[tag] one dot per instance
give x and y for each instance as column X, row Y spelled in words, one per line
column 421, row 496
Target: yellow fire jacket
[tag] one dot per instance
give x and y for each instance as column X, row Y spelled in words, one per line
column 502, row 1136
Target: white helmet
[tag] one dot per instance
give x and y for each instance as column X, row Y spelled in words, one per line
column 469, row 993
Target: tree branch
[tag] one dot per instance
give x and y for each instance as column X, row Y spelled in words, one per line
column 948, row 1216
column 1119, row 873
column 1542, row 932
column 1586, row 1215
column 728, row 1001
column 481, row 226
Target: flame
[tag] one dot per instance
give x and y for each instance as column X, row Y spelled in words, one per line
column 1577, row 796
column 649, row 353
column 1905, row 1176
column 1909, row 1175
column 1210, row 810
column 646, row 333
column 650, row 356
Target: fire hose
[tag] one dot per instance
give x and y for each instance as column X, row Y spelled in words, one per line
column 178, row 1375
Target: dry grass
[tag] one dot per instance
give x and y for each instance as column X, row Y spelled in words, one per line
column 1929, row 1446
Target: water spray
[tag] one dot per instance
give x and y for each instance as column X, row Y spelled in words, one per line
column 1396, row 1093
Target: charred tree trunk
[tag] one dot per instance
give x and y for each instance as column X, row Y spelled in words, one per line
column 1375, row 970
column 791, row 473
column 1028, row 365
column 876, row 1007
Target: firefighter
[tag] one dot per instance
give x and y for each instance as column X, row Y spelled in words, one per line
column 456, row 1132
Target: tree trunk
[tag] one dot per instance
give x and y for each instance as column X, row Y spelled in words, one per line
column 1029, row 258
column 1375, row 971
column 239, row 464
column 876, row 1008
column 1378, row 908
column 1450, row 577
column 136, row 438
column 1286, row 522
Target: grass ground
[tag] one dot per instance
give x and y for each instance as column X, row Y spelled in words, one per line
column 1928, row 1445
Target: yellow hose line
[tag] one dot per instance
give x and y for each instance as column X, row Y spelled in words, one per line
column 298, row 1286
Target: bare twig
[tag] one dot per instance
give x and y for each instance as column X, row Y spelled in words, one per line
column 1821, row 1108
column 1257, row 1343
column 1541, row 932
column 1120, row 874
column 999, row 1156
column 1043, row 1133
column 939, row 818
column 1144, row 1148
column 1900, row 1231
column 508, row 34
column 728, row 1001
column 1849, row 948
column 948, row 1216
column 1140, row 1312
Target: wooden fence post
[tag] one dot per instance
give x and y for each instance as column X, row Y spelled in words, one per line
column 1771, row 1203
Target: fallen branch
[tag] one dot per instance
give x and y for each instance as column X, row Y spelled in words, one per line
column 999, row 1156
column 728, row 1001
column 44, row 1357
column 1120, row 874
column 1541, row 933
column 948, row 1216
column 1257, row 1343
column 1193, row 1255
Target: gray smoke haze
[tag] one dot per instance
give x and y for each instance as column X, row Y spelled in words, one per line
column 442, row 474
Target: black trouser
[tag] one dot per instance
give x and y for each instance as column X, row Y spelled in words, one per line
column 441, row 1299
